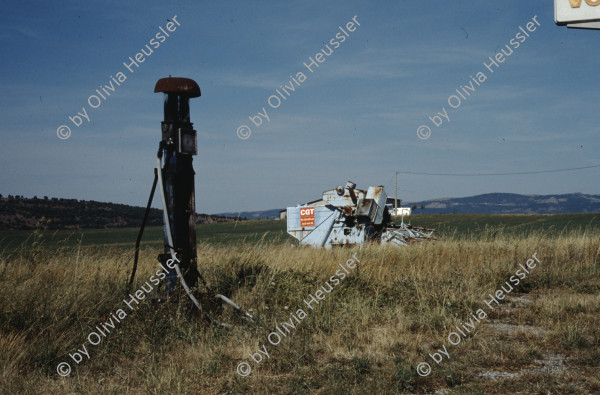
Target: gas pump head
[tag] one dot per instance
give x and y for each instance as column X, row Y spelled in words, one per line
column 176, row 128
column 178, row 144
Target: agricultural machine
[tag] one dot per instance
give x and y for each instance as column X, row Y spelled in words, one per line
column 348, row 216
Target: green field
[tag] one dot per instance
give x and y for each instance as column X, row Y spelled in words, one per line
column 475, row 226
column 454, row 226
column 214, row 234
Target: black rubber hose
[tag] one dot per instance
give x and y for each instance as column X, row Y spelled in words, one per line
column 139, row 238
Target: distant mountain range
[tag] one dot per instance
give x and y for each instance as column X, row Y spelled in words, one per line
column 489, row 203
column 511, row 203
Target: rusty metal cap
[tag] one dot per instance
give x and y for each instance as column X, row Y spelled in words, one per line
column 183, row 86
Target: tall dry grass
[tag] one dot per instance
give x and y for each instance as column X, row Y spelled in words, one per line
column 365, row 337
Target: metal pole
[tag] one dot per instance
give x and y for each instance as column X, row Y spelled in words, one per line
column 396, row 198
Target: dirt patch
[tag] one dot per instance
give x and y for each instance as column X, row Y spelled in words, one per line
column 549, row 364
column 513, row 329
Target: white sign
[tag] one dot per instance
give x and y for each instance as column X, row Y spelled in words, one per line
column 574, row 11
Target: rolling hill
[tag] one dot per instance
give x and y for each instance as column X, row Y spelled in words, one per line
column 20, row 213
column 489, row 203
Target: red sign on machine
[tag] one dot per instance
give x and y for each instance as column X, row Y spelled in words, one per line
column 307, row 216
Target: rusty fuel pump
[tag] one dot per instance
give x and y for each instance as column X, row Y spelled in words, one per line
column 174, row 176
column 177, row 146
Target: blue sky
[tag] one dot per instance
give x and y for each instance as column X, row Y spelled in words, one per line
column 354, row 118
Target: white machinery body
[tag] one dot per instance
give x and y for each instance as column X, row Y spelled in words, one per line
column 349, row 216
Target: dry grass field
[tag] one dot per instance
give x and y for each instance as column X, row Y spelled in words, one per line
column 368, row 335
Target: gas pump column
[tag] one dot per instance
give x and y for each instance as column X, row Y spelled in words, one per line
column 178, row 144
